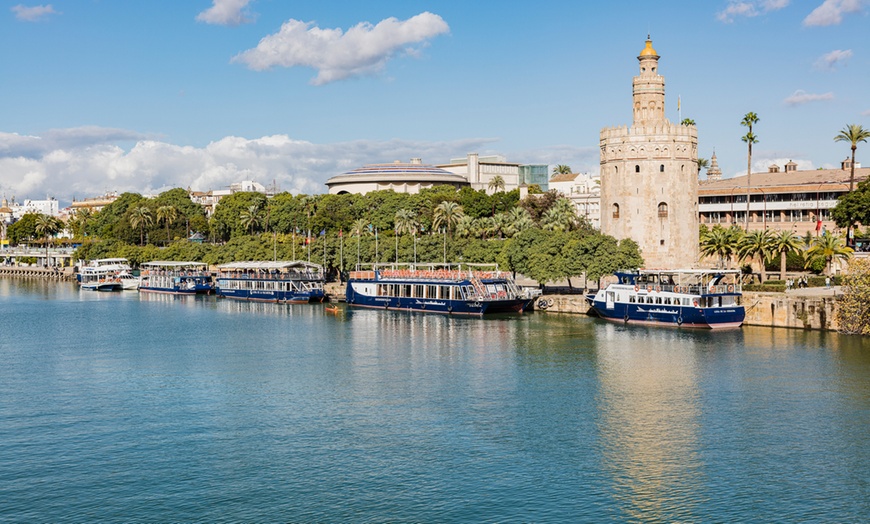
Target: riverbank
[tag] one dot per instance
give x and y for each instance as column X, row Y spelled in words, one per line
column 809, row 308
column 37, row 272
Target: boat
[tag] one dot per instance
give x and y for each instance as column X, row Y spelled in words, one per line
column 175, row 278
column 278, row 281
column 107, row 274
column 456, row 289
column 696, row 298
column 332, row 309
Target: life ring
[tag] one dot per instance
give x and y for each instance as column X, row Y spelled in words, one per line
column 676, row 289
column 626, row 317
column 648, row 289
column 542, row 304
column 658, row 289
column 695, row 302
column 635, row 288
column 730, row 288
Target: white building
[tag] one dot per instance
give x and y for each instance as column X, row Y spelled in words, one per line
column 210, row 199
column 42, row 207
column 584, row 190
column 480, row 170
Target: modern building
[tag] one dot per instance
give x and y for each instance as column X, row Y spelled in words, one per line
column 789, row 199
column 210, row 199
column 480, row 170
column 649, row 176
column 401, row 177
column 584, row 190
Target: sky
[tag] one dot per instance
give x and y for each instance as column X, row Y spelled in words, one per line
column 144, row 96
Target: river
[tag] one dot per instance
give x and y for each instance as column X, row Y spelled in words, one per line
column 127, row 407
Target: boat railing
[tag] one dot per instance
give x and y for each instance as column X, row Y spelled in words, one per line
column 281, row 275
column 691, row 289
column 430, row 274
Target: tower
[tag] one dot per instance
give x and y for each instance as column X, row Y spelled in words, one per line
column 713, row 172
column 649, row 176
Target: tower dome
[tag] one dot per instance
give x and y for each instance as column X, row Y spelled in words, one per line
column 648, row 50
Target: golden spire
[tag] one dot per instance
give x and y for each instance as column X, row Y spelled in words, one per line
column 648, row 50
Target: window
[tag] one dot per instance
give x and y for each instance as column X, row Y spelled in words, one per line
column 663, row 210
column 615, row 210
column 662, row 168
column 637, row 169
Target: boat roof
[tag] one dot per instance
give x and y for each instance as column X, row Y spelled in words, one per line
column 681, row 272
column 110, row 261
column 170, row 263
column 280, row 264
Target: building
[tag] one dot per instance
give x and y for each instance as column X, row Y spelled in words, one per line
column 789, row 199
column 94, row 204
column 401, row 177
column 480, row 170
column 48, row 206
column 584, row 190
column 210, row 199
column 649, row 176
column 713, row 172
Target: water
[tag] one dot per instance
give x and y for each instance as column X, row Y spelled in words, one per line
column 121, row 407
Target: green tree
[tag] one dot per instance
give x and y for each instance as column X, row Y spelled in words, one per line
column 785, row 242
column 140, row 217
column 47, row 226
column 687, row 122
column 561, row 169
column 406, row 222
column 853, row 206
column 853, row 311
column 562, row 216
column 756, row 244
column 722, row 243
column 702, row 163
column 446, row 215
column 749, row 119
column 496, row 184
column 225, row 222
column 23, row 229
column 853, row 133
column 167, row 214
column 828, row 248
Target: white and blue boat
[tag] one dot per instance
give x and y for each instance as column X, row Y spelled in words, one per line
column 282, row 282
column 107, row 274
column 688, row 298
column 175, row 278
column 457, row 289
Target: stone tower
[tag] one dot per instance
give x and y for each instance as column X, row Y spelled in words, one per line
column 713, row 172
column 649, row 176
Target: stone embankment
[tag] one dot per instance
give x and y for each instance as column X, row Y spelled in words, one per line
column 812, row 308
column 37, row 272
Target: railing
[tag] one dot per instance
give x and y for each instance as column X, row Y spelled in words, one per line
column 693, row 289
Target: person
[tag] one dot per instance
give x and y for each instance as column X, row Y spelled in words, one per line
column 828, row 282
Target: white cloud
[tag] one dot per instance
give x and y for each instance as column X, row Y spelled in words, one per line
column 831, row 60
column 801, row 97
column 78, row 163
column 34, row 13
column 364, row 49
column 865, row 113
column 831, row 12
column 226, row 12
column 749, row 8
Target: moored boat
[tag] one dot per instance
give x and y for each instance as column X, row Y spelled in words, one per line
column 688, row 298
column 285, row 282
column 458, row 289
column 176, row 278
column 107, row 274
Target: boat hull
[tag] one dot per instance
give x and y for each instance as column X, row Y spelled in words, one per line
column 357, row 298
column 680, row 316
column 287, row 297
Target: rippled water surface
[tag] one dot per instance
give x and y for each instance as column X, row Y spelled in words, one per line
column 121, row 407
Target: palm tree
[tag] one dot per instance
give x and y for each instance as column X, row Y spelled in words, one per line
column 519, row 220
column 687, row 122
column 496, row 184
column 406, row 222
column 141, row 217
column 167, row 215
column 749, row 119
column 562, row 216
column 562, row 169
column 757, row 244
column 721, row 242
column 853, row 133
column 447, row 214
column 250, row 218
column 79, row 223
column 466, row 226
column 702, row 163
column 784, row 243
column 47, row 226
column 830, row 248
column 358, row 229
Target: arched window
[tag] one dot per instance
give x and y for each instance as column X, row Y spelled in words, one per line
column 662, row 168
column 663, row 210
column 615, row 210
column 637, row 168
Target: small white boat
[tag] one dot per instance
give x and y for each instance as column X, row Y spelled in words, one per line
column 108, row 274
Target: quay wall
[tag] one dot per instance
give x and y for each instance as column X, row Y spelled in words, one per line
column 762, row 309
column 37, row 272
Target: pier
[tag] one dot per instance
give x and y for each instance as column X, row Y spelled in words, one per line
column 38, row 272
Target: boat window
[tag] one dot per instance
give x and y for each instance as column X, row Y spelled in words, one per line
column 418, row 291
column 632, row 299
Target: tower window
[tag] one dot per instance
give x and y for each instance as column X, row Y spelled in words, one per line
column 662, row 168
column 637, row 169
column 615, row 210
column 663, row 210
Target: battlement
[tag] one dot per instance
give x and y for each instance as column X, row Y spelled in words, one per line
column 666, row 128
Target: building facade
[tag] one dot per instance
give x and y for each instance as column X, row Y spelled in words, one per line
column 584, row 190
column 480, row 170
column 401, row 177
column 649, row 176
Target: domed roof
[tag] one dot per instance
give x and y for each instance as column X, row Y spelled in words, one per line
column 413, row 173
column 402, row 169
column 648, row 50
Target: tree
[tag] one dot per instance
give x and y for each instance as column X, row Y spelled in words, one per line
column 447, row 214
column 702, row 163
column 749, row 119
column 167, row 215
column 562, row 216
column 140, row 217
column 853, row 133
column 250, row 218
column 561, row 169
column 496, row 184
column 756, row 244
column 853, row 206
column 406, row 222
column 518, row 220
column 785, row 242
column 47, row 226
column 722, row 243
column 853, row 311
column 828, row 248
column 687, row 122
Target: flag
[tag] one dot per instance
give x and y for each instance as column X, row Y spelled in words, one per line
column 819, row 224
column 322, row 232
column 340, row 233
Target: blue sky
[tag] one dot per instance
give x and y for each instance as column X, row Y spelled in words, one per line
column 119, row 95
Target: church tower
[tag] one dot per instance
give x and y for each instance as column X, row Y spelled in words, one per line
column 649, row 176
column 713, row 172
